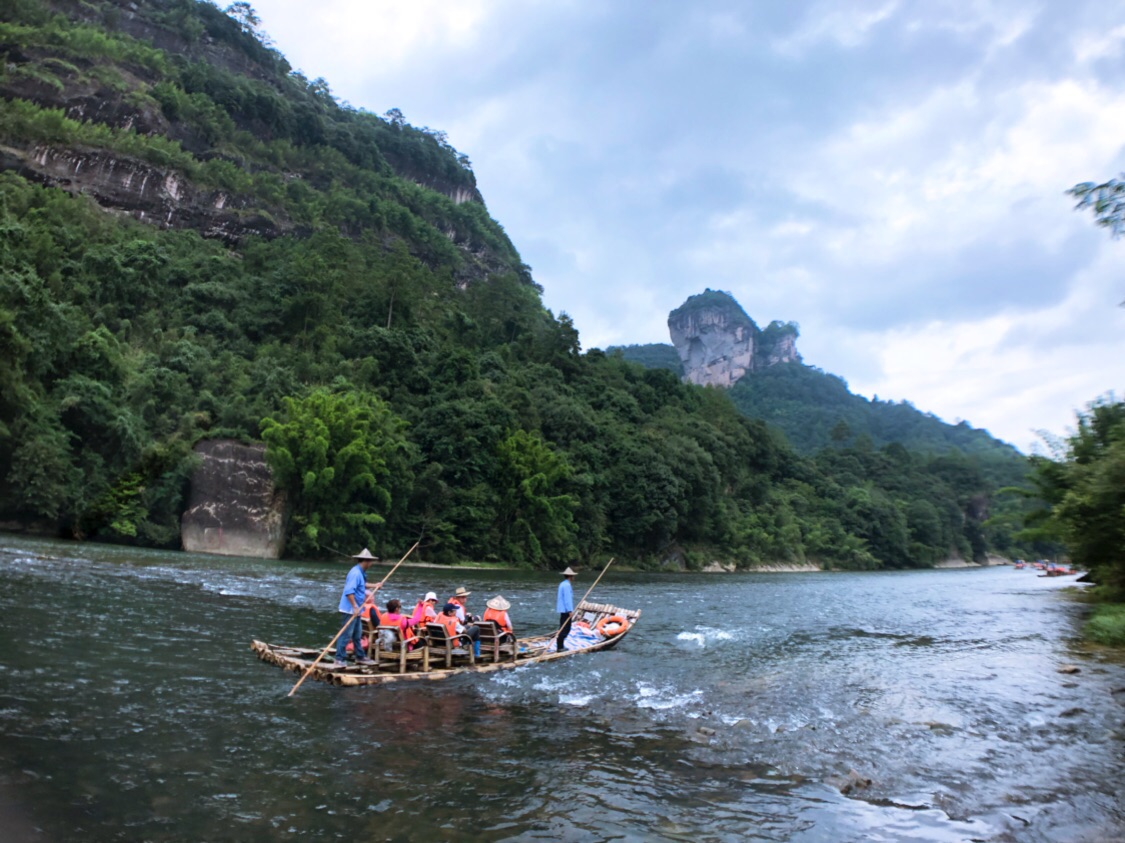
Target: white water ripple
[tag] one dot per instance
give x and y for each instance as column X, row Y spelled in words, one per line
column 704, row 636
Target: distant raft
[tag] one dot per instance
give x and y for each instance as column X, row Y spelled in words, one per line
column 433, row 656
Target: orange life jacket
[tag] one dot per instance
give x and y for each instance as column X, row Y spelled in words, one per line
column 450, row 623
column 500, row 618
column 393, row 619
column 405, row 629
column 423, row 613
column 373, row 616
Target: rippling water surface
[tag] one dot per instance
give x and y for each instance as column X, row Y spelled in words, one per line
column 132, row 709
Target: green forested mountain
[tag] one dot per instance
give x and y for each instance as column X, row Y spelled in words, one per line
column 654, row 355
column 196, row 242
column 816, row 410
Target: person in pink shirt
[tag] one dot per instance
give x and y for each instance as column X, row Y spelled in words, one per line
column 426, row 610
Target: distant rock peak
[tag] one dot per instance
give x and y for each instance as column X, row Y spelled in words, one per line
column 719, row 343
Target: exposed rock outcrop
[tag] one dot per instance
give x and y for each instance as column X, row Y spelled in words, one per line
column 718, row 343
column 716, row 567
column 956, row 560
column 853, row 781
column 150, row 194
column 234, row 509
column 51, row 77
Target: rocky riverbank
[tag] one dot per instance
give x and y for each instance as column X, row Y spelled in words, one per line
column 805, row 567
column 959, row 562
column 766, row 568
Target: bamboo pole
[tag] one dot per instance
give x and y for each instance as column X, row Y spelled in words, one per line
column 324, row 652
column 599, row 579
column 351, row 620
column 399, row 562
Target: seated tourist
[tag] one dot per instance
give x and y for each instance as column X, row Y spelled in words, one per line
column 393, row 617
column 456, row 630
column 497, row 612
column 426, row 610
column 459, row 599
column 371, row 611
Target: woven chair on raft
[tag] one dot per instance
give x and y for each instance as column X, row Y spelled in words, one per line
column 496, row 645
column 388, row 647
column 369, row 634
column 452, row 650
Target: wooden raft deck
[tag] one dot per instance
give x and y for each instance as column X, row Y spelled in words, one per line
column 528, row 651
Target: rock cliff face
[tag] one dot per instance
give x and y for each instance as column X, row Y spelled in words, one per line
column 119, row 183
column 234, row 509
column 128, row 186
column 718, row 343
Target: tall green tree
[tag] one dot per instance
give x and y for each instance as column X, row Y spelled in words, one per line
column 1106, row 201
column 333, row 454
column 1083, row 492
column 535, row 513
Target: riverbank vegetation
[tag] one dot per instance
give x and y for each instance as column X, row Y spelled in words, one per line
column 384, row 339
column 475, row 421
column 1107, row 625
column 1081, row 487
column 1083, row 483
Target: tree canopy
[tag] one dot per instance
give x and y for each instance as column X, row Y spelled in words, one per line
column 1082, row 490
column 382, row 337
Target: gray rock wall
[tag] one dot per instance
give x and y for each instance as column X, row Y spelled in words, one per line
column 162, row 197
column 784, row 350
column 714, row 351
column 719, row 344
column 234, row 509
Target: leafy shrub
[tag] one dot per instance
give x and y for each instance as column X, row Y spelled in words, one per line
column 1107, row 625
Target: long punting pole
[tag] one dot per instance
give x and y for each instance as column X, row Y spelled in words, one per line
column 326, row 650
column 602, row 574
column 399, row 562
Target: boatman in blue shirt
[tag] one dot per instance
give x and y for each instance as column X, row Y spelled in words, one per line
column 564, row 605
column 351, row 601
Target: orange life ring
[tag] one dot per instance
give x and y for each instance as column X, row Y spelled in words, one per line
column 612, row 625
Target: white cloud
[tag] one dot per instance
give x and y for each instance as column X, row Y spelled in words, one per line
column 952, row 170
column 889, row 175
column 1001, row 23
column 365, row 35
column 359, row 45
column 828, row 22
column 1013, row 373
column 1090, row 46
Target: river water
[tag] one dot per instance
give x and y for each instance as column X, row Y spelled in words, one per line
column 131, row 708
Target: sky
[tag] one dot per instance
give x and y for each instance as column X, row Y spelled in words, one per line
column 889, row 175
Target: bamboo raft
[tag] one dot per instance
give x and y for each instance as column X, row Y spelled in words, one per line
column 434, row 662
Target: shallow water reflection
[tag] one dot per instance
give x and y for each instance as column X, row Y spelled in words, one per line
column 143, row 715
